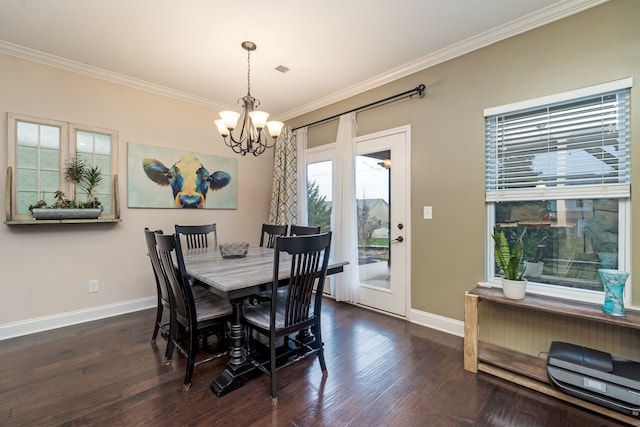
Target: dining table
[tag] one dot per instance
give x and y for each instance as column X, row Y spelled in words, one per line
column 236, row 279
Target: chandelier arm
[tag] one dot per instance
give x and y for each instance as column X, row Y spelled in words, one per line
column 259, row 150
column 237, row 148
column 257, row 142
column 265, row 144
column 232, row 144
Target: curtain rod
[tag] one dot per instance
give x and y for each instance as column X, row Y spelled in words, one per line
column 408, row 94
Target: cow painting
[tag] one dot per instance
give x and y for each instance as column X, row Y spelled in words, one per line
column 188, row 178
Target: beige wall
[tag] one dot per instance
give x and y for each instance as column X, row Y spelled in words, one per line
column 45, row 269
column 596, row 46
column 447, row 126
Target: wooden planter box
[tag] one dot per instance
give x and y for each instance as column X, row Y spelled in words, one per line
column 45, row 213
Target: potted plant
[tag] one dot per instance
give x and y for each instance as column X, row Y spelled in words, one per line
column 509, row 260
column 83, row 177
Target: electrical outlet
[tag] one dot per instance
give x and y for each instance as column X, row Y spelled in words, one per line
column 94, row 286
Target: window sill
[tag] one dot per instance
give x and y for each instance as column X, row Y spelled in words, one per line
column 567, row 293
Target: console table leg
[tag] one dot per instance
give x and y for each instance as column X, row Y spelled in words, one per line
column 471, row 333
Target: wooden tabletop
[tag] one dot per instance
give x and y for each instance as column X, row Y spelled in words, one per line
column 239, row 277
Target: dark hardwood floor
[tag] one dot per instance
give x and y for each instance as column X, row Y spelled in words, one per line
column 382, row 372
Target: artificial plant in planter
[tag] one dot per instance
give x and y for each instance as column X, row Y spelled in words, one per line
column 83, row 177
column 509, row 260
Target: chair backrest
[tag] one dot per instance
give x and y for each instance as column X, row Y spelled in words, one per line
column 184, row 307
column 303, row 230
column 309, row 261
column 196, row 236
column 152, row 251
column 271, row 231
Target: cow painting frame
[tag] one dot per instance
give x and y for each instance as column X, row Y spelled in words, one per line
column 166, row 178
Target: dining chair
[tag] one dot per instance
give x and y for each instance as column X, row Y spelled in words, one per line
column 197, row 236
column 303, row 230
column 270, row 232
column 163, row 289
column 161, row 285
column 198, row 318
column 292, row 308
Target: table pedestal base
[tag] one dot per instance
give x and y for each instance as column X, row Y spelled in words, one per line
column 238, row 369
column 235, row 376
column 232, row 378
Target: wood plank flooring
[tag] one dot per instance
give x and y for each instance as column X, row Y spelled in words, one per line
column 382, row 372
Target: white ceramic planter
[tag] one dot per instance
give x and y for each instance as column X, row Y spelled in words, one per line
column 514, row 289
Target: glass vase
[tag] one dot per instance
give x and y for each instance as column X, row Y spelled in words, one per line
column 613, row 281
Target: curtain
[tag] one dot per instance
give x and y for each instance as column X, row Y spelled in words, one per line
column 345, row 234
column 301, row 142
column 282, row 209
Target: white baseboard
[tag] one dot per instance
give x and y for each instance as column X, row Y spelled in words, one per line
column 429, row 320
column 32, row 326
column 39, row 324
column 434, row 321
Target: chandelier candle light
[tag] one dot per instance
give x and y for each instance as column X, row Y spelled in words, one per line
column 252, row 139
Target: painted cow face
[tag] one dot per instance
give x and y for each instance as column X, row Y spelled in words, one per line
column 188, row 178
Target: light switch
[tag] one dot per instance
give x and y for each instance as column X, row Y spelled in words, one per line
column 428, row 212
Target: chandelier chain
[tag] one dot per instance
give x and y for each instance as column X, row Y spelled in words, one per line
column 248, row 72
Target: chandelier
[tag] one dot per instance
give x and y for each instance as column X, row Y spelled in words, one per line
column 252, row 137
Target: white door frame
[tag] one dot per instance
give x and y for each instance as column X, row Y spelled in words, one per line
column 326, row 153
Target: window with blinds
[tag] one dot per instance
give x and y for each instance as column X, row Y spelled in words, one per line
column 560, row 150
column 558, row 170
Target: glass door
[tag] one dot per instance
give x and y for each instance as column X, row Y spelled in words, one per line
column 381, row 194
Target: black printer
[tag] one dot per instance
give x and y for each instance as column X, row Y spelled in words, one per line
column 595, row 376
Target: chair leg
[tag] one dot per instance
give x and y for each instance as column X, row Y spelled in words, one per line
column 158, row 322
column 171, row 341
column 323, row 365
column 274, row 378
column 318, row 335
column 191, row 359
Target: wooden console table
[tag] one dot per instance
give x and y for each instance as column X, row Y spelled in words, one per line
column 523, row 369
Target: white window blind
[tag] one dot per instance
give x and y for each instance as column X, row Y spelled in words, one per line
column 569, row 149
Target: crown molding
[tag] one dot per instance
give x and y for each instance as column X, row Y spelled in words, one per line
column 529, row 22
column 518, row 26
column 99, row 73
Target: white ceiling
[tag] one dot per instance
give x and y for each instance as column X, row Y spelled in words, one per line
column 190, row 49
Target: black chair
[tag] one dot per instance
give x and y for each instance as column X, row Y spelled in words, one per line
column 197, row 236
column 303, row 230
column 197, row 317
column 292, row 307
column 161, row 285
column 163, row 289
column 271, row 231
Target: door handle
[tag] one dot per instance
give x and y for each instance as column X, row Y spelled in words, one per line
column 398, row 239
